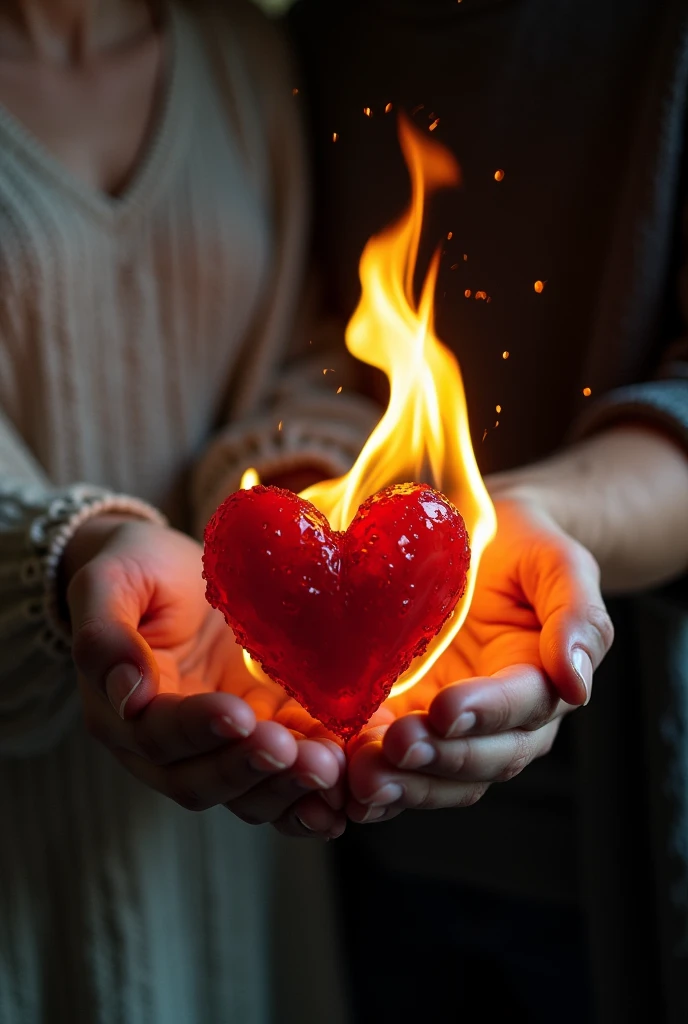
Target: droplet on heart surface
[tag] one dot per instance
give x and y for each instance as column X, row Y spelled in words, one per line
column 344, row 616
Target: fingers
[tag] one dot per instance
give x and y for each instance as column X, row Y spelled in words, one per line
column 491, row 758
column 379, row 791
column 561, row 579
column 311, row 818
column 520, row 697
column 450, row 773
column 264, row 778
column 105, row 605
column 318, row 766
column 198, row 783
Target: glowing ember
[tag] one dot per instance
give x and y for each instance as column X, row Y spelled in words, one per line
column 388, row 108
column 499, row 175
column 467, row 293
column 450, row 235
column 335, row 618
column 434, row 124
column 335, row 136
column 498, row 408
column 367, row 111
column 539, row 286
column 587, row 392
column 505, row 355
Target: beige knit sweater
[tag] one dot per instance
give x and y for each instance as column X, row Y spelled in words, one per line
column 143, row 342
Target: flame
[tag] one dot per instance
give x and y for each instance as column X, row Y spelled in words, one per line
column 249, row 479
column 424, row 433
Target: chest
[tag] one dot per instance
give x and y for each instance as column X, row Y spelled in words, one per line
column 94, row 120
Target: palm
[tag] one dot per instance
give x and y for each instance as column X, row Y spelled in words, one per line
column 195, row 649
column 501, row 629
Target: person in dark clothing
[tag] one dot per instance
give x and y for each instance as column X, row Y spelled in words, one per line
column 564, row 893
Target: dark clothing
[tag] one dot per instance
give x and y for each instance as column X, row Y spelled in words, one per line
column 583, row 106
column 476, row 956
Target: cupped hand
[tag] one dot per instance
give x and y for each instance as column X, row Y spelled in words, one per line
column 536, row 631
column 165, row 688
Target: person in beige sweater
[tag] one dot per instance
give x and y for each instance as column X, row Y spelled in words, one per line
column 152, row 226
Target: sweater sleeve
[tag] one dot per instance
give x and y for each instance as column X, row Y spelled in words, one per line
column 37, row 691
column 293, row 398
column 662, row 401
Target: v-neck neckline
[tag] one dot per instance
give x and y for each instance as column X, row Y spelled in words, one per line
column 154, row 160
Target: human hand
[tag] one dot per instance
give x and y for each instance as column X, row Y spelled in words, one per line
column 164, row 686
column 536, row 630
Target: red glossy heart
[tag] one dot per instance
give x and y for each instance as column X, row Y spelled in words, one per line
column 336, row 617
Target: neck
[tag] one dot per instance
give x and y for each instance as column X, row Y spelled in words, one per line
column 69, row 31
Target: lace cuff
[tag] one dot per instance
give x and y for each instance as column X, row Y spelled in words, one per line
column 35, row 528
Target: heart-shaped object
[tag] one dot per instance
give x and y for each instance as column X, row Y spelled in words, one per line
column 336, row 617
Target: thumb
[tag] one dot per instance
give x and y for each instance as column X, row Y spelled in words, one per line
column 577, row 631
column 106, row 603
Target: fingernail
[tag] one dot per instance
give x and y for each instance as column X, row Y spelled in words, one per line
column 310, row 781
column 373, row 813
column 120, row 683
column 387, row 794
column 461, row 725
column 303, row 824
column 582, row 666
column 261, row 761
column 226, row 728
column 418, row 755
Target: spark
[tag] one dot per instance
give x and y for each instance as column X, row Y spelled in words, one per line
column 454, row 266
column 434, row 124
column 467, row 293
column 327, row 370
column 498, row 408
column 335, row 136
column 465, row 257
column 539, row 286
column 295, row 92
column 279, row 425
column 450, row 235
column 481, row 295
column 587, row 392
column 499, row 175
column 505, row 355
column 485, row 430
column 388, row 107
column 497, row 423
column 416, row 109
column 339, row 390
column 367, row 111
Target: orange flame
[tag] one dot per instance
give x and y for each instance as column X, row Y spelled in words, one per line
column 424, row 433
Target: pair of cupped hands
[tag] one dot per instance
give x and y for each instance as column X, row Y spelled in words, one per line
column 165, row 689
